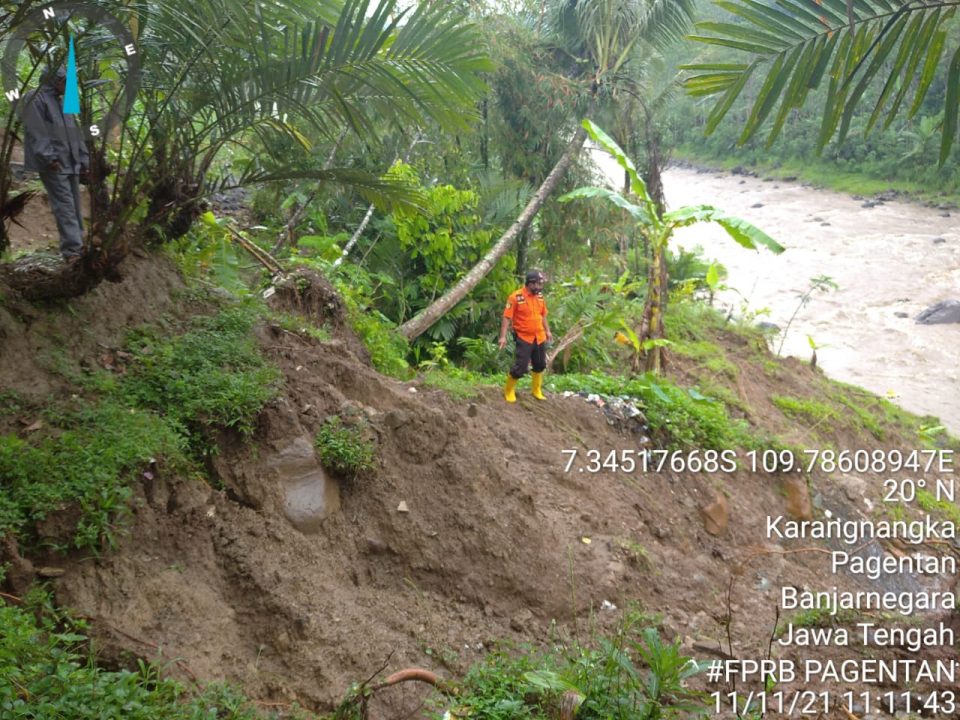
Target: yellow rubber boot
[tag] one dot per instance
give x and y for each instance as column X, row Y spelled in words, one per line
column 509, row 389
column 536, row 386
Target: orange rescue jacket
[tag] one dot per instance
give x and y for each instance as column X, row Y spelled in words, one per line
column 526, row 310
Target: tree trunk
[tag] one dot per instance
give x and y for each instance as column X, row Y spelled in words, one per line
column 573, row 335
column 655, row 163
column 653, row 308
column 356, row 236
column 417, row 325
column 523, row 246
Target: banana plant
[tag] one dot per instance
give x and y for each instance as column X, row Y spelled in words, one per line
column 658, row 228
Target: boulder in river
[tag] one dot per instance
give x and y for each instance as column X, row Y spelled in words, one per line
column 945, row 311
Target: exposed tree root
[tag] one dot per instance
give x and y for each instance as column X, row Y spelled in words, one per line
column 44, row 276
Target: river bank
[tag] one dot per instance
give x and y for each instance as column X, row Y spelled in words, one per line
column 889, row 260
column 821, row 175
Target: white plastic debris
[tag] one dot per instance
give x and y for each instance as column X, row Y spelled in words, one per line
column 607, row 605
column 402, row 507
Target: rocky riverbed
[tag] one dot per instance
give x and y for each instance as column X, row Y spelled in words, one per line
column 889, row 258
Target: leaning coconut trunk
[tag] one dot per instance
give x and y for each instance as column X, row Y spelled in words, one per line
column 421, row 322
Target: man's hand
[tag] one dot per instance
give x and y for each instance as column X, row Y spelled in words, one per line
column 549, row 335
column 55, row 165
column 84, row 176
column 502, row 342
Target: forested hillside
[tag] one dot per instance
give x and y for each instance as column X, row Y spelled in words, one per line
column 264, row 453
column 890, row 129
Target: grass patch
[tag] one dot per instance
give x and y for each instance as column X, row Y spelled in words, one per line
column 724, row 395
column 344, row 449
column 817, row 414
column 300, row 326
column 692, row 322
column 821, row 617
column 946, row 509
column 211, row 375
column 722, row 366
column 866, row 411
column 90, row 456
column 457, row 382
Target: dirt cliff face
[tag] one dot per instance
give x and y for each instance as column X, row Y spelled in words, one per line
column 296, row 583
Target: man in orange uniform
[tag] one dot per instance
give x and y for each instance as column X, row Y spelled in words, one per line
column 527, row 310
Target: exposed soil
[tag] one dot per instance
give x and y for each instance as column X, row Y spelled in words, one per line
column 296, row 585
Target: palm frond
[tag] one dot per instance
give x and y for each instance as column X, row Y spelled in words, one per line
column 387, row 193
column 367, row 66
column 605, row 35
column 666, row 22
column 795, row 45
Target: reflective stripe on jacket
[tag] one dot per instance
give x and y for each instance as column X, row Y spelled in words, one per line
column 526, row 310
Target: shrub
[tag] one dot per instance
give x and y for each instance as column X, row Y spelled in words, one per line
column 48, row 676
column 344, row 449
column 602, row 678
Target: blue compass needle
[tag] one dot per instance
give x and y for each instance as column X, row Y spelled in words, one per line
column 71, row 97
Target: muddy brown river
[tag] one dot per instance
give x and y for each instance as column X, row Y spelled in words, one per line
column 889, row 262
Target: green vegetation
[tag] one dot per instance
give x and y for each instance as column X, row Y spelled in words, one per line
column 821, row 617
column 867, row 411
column 928, row 502
column 636, row 553
column 658, row 227
column 211, row 375
column 862, row 126
column 681, row 418
column 817, row 416
column 388, row 348
column 344, row 449
column 50, row 675
column 89, row 455
column 861, row 38
column 601, row 680
column 300, row 326
column 630, row 673
column 391, row 144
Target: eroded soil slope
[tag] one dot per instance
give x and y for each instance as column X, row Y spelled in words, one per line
column 240, row 580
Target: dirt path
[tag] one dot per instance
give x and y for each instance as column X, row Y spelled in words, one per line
column 890, row 262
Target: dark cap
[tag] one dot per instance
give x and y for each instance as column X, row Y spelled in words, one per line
column 535, row 276
column 54, row 73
